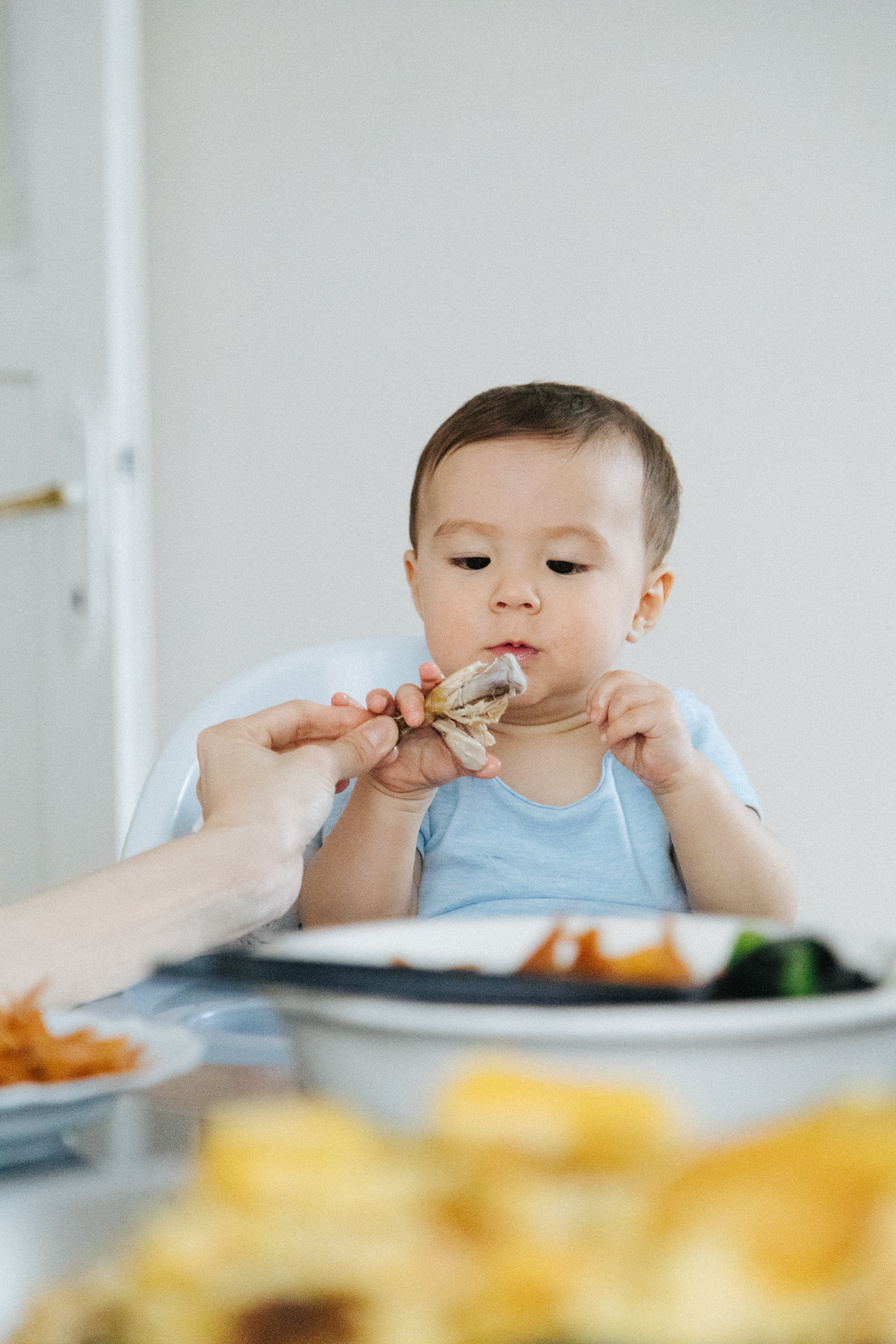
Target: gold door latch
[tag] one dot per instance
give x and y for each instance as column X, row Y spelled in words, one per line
column 53, row 496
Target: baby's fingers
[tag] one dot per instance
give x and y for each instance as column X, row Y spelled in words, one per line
column 635, row 721
column 409, row 699
column 430, row 675
column 490, row 770
column 595, row 707
column 380, row 702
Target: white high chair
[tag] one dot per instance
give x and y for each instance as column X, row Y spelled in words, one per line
column 168, row 806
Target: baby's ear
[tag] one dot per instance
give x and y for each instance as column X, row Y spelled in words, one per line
column 410, row 569
column 658, row 586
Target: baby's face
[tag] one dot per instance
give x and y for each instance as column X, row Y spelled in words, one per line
column 527, row 547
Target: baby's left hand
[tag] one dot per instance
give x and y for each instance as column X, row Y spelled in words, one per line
column 642, row 725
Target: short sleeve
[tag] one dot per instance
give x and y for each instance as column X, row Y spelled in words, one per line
column 425, row 832
column 709, row 740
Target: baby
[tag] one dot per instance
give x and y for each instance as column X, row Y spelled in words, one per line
column 541, row 516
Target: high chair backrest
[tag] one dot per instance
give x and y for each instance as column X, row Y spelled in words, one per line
column 168, row 806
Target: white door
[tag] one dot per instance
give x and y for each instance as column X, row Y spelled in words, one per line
column 64, row 363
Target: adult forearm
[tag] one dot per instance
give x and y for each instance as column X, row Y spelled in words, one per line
column 102, row 932
column 366, row 867
column 266, row 783
column 729, row 861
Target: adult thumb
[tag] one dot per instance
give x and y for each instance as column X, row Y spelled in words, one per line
column 363, row 748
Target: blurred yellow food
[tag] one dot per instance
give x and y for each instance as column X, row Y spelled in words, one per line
column 562, row 1122
column 533, row 1210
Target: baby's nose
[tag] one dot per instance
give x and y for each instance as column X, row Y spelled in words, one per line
column 514, row 592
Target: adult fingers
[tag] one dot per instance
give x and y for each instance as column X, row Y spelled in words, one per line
column 343, row 698
column 366, row 746
column 285, row 726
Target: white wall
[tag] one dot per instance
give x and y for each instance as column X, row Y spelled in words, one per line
column 362, row 213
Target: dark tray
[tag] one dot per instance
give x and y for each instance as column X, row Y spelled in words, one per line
column 226, row 969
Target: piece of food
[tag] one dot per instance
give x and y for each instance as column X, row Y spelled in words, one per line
column 605, row 1128
column 30, row 1053
column 661, row 964
column 774, row 968
column 758, row 968
column 463, row 705
column 536, row 1209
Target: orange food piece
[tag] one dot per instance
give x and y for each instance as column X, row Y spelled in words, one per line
column 30, row 1053
column 590, row 962
column 543, row 960
column 658, row 965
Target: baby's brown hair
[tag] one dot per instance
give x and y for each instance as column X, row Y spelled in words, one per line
column 572, row 415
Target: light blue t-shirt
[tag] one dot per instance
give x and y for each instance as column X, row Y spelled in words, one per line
column 489, row 851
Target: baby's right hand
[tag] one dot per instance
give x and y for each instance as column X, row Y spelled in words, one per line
column 423, row 761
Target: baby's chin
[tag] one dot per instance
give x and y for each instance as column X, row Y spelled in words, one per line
column 535, row 707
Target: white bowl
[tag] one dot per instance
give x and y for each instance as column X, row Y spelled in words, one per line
column 730, row 1063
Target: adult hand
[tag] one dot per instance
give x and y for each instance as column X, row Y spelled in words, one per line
column 278, row 770
column 266, row 784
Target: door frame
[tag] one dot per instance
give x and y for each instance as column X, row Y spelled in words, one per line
column 127, row 418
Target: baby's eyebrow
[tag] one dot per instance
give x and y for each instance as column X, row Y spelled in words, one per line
column 581, row 533
column 451, row 526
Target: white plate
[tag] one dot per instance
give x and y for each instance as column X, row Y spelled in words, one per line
column 34, row 1117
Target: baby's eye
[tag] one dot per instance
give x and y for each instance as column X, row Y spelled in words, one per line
column 566, row 567
column 470, row 561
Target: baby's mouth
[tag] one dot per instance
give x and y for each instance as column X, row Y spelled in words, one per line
column 523, row 653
